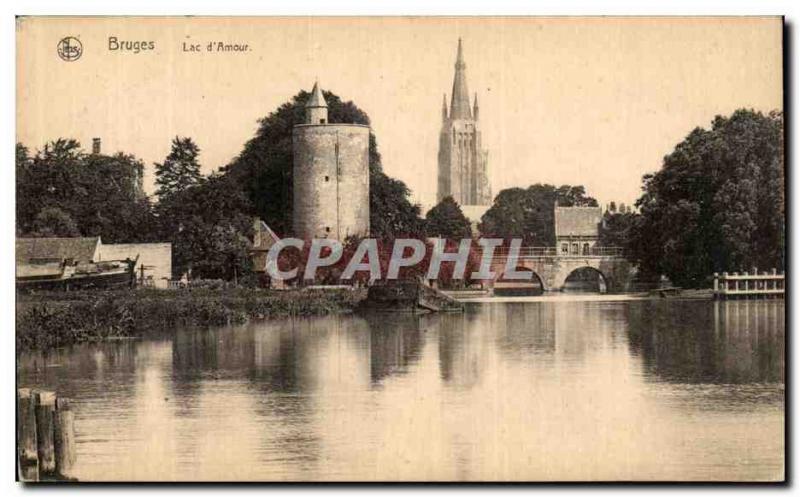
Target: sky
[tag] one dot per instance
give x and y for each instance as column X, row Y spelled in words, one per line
column 591, row 101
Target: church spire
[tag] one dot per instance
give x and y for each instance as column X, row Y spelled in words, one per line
column 444, row 106
column 459, row 105
column 475, row 108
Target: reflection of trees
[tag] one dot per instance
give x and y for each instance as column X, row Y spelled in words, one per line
column 696, row 342
column 201, row 354
column 462, row 345
column 194, row 351
column 395, row 342
column 452, row 338
column 525, row 328
column 280, row 351
column 81, row 371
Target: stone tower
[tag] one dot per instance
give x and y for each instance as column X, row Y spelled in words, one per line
column 330, row 175
column 462, row 160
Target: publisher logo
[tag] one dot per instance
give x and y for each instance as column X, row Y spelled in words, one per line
column 70, row 49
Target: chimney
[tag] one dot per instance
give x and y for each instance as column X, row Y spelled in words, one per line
column 95, row 145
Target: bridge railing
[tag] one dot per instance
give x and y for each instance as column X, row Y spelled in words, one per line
column 553, row 252
column 527, row 251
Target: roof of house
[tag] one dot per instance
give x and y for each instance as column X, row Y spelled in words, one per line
column 577, row 221
column 264, row 236
column 56, row 249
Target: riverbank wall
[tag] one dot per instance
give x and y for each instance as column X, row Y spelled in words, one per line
column 50, row 320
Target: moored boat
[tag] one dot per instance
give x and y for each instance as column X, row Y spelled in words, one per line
column 65, row 275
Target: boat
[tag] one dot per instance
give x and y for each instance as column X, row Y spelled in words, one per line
column 408, row 296
column 66, row 275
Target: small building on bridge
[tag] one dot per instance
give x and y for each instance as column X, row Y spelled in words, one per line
column 577, row 229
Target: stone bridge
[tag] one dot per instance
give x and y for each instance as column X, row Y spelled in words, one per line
column 552, row 269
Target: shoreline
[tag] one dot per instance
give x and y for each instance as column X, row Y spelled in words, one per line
column 51, row 320
column 559, row 297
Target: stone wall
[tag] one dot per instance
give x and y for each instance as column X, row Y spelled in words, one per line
column 330, row 180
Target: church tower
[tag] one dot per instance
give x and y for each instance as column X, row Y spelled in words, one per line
column 462, row 160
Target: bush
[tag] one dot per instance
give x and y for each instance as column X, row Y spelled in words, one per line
column 52, row 320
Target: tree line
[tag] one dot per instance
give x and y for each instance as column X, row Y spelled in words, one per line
column 63, row 191
column 716, row 204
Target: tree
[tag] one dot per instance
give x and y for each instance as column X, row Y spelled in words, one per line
column 113, row 204
column 263, row 170
column 209, row 227
column 615, row 230
column 446, row 220
column 180, row 169
column 391, row 213
column 52, row 221
column 102, row 194
column 717, row 204
column 23, row 208
column 529, row 213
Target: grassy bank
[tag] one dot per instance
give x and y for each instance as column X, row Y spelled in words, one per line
column 51, row 320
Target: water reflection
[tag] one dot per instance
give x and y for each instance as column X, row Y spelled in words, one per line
column 546, row 390
column 734, row 342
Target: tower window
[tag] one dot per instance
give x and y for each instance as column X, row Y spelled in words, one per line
column 327, row 229
column 322, row 121
column 327, row 178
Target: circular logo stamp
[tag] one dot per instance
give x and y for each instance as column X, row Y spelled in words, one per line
column 70, row 48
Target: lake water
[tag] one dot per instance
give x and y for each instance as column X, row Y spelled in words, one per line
column 547, row 390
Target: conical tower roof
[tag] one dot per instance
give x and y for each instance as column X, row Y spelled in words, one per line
column 317, row 99
column 459, row 104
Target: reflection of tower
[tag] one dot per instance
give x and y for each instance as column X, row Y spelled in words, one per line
column 330, row 175
column 462, row 348
column 395, row 344
column 462, row 160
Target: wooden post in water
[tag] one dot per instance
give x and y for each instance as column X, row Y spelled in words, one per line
column 64, row 431
column 29, row 470
column 45, row 409
column 26, row 424
column 26, row 436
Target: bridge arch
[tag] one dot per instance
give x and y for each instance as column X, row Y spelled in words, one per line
column 585, row 278
column 515, row 287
